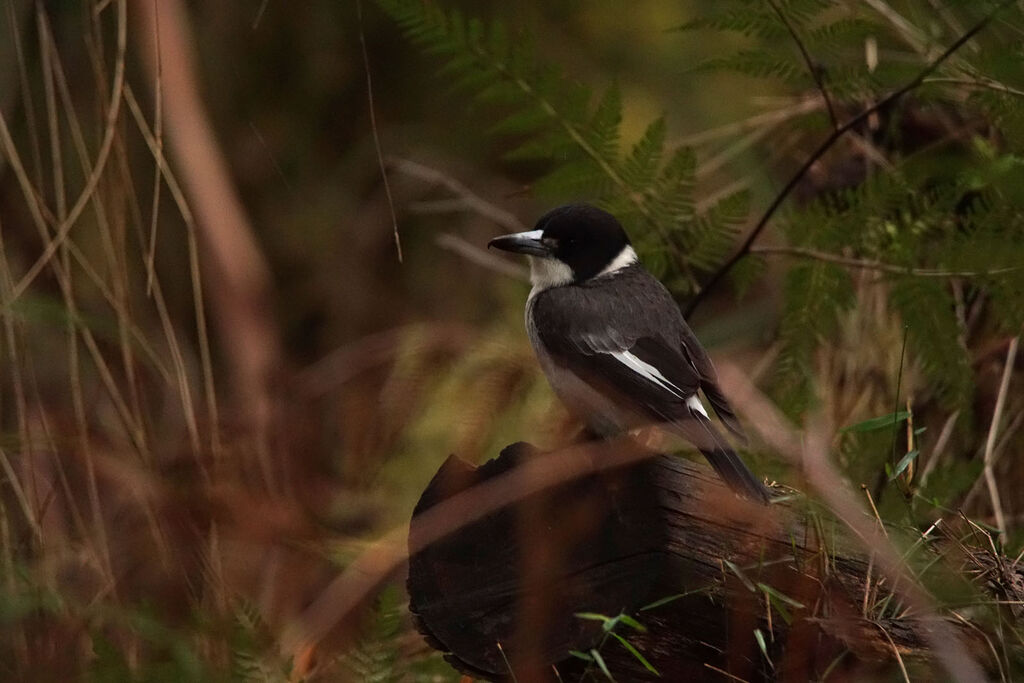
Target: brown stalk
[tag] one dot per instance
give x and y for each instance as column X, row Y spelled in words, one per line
column 990, row 442
column 239, row 278
column 812, row 447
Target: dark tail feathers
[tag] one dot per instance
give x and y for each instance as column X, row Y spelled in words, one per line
column 701, row 433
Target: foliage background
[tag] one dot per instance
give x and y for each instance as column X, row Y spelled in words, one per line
column 178, row 486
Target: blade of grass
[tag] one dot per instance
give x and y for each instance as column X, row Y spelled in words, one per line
column 876, row 423
column 635, row 653
column 599, row 660
column 109, row 131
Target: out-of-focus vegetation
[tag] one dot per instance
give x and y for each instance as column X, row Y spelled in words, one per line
column 217, row 390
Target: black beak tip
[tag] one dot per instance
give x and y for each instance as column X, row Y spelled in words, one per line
column 505, row 243
column 519, row 243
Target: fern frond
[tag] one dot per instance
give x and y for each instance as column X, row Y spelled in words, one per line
column 479, row 56
column 375, row 658
column 747, row 21
column 640, row 167
column 556, row 121
column 709, row 243
column 759, row 64
column 604, row 125
column 933, row 333
column 815, row 294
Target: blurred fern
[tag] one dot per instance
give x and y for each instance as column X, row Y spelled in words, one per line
column 377, row 657
column 558, row 121
column 934, row 210
column 927, row 217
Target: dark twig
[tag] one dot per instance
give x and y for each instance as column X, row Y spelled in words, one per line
column 824, row 147
column 373, row 128
column 811, row 67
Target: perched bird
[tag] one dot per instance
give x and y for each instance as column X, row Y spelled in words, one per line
column 612, row 342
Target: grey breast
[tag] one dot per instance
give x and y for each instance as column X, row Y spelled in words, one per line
column 585, row 402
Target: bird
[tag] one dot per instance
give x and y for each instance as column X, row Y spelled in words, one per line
column 613, row 343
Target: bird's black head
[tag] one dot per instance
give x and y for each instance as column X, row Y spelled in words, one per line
column 572, row 243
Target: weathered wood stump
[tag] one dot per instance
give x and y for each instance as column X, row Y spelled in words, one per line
column 757, row 592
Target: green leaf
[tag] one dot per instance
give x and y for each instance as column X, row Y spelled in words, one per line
column 605, row 123
column 670, row 598
column 740, row 575
column 632, row 623
column 592, row 616
column 636, row 654
column 641, row 166
column 599, row 660
column 759, row 637
column 875, row 423
column 780, row 596
column 903, row 464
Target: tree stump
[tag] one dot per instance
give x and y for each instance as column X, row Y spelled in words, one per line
column 720, row 584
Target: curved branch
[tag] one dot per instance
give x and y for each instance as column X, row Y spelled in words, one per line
column 983, row 84
column 815, row 73
column 825, row 146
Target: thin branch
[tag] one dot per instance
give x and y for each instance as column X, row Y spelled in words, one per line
column 863, row 264
column 737, row 148
column 756, row 121
column 373, row 128
column 475, row 254
column 990, row 443
column 825, row 146
column 985, row 84
column 814, row 71
column 347, row 362
column 712, row 198
column 940, row 446
column 910, row 33
column 470, row 199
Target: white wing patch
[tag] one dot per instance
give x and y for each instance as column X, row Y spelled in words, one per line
column 652, row 374
column 694, row 404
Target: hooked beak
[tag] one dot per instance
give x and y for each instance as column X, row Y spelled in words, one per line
column 522, row 243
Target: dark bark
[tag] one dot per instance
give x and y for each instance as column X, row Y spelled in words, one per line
column 622, row 538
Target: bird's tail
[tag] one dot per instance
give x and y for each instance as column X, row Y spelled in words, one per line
column 699, row 431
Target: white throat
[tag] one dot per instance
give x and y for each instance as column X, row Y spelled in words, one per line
column 547, row 272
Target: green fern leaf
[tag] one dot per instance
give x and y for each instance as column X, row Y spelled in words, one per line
column 641, row 166
column 927, row 309
column 711, row 237
column 605, row 122
column 815, row 294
